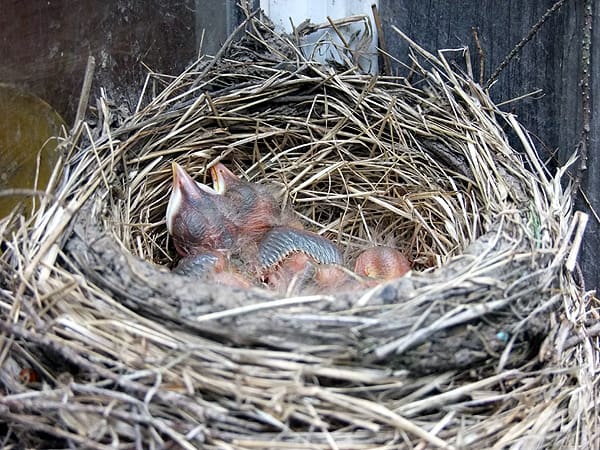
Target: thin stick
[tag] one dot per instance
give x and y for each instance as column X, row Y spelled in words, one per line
column 85, row 91
column 383, row 53
column 515, row 51
column 586, row 111
column 480, row 55
column 265, row 305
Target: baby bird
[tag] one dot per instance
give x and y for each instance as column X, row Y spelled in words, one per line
column 281, row 242
column 212, row 266
column 196, row 218
column 381, row 263
column 291, row 275
column 300, row 274
column 255, row 209
column 201, row 264
column 244, row 220
column 289, row 256
column 272, row 242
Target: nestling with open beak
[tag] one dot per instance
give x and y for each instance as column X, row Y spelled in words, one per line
column 196, row 218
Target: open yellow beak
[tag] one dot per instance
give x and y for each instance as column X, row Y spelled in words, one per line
column 222, row 177
column 184, row 189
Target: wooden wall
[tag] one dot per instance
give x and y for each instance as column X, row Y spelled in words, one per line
column 44, row 45
column 550, row 62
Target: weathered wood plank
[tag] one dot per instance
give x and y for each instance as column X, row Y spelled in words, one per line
column 45, row 46
column 550, row 62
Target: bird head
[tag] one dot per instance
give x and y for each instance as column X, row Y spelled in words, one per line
column 382, row 263
column 223, row 179
column 254, row 207
column 195, row 216
column 212, row 266
column 186, row 193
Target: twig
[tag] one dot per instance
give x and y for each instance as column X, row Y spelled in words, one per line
column 515, row 51
column 586, row 111
column 25, row 192
column 582, row 220
column 284, row 302
column 480, row 54
column 590, row 332
column 85, row 91
column 387, row 63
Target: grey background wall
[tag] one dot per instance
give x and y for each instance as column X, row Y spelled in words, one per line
column 550, row 62
column 44, row 47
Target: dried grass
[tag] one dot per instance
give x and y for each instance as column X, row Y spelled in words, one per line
column 488, row 343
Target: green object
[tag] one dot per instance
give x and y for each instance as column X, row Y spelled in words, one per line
column 28, row 130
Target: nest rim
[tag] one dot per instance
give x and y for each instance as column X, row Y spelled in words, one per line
column 516, row 221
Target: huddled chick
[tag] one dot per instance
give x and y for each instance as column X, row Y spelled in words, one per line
column 237, row 233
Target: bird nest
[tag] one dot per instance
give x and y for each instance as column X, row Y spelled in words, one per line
column 484, row 343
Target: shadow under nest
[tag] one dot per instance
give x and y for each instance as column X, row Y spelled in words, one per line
column 422, row 163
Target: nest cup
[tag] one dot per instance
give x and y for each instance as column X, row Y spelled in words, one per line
column 420, row 163
column 423, row 163
column 355, row 161
column 357, row 187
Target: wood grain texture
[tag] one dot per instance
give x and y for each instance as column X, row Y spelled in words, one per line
column 550, row 62
column 45, row 46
